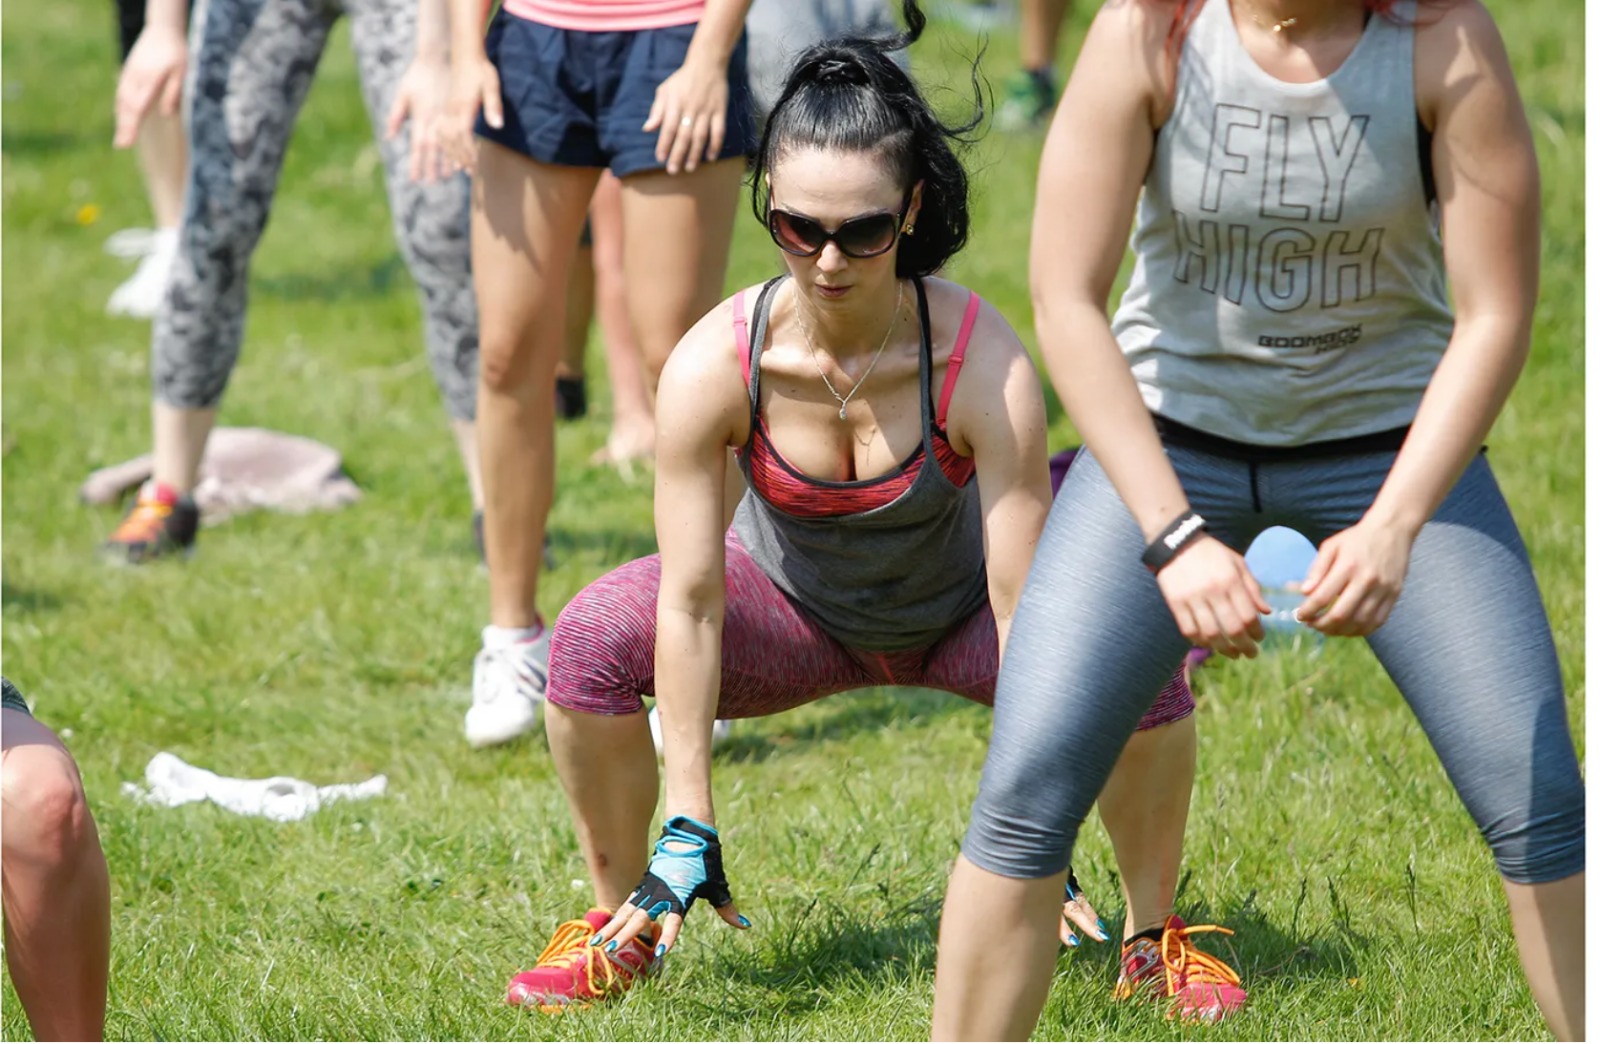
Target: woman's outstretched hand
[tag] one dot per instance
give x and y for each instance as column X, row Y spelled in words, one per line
column 686, row 865
column 1076, row 910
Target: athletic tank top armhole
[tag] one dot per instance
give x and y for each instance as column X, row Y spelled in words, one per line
column 1430, row 191
column 741, row 335
column 958, row 355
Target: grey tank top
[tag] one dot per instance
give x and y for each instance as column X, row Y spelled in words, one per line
column 887, row 579
column 1288, row 284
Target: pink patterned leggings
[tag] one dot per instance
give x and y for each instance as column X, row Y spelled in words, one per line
column 774, row 654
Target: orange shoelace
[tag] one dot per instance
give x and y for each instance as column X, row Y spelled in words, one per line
column 1186, row 962
column 143, row 523
column 570, row 944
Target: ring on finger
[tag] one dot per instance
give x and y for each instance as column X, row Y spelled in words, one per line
column 687, row 121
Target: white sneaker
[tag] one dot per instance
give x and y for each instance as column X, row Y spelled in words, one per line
column 720, row 730
column 508, row 686
column 141, row 296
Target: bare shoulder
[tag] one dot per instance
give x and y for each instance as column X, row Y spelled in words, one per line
column 998, row 388
column 1458, row 46
column 993, row 338
column 1137, row 36
column 703, row 381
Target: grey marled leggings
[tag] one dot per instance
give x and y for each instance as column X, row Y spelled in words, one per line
column 1468, row 644
column 252, row 65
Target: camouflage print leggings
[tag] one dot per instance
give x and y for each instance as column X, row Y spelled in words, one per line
column 252, row 66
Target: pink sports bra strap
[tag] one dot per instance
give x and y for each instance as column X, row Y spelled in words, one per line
column 741, row 335
column 952, row 370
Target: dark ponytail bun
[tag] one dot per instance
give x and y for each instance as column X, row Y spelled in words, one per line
column 847, row 94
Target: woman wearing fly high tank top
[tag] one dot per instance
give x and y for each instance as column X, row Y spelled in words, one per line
column 1285, row 355
column 891, row 430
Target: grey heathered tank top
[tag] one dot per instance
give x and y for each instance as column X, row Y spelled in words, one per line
column 892, row 578
column 1288, row 285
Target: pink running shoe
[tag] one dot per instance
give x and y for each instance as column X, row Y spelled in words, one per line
column 1196, row 984
column 572, row 974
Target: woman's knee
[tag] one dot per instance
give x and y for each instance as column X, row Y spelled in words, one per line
column 1544, row 843
column 602, row 650
column 47, row 819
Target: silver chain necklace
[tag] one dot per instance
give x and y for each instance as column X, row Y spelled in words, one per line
column 844, row 400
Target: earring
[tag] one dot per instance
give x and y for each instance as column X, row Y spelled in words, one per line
column 910, row 228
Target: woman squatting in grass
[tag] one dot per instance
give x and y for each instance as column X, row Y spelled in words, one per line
column 57, row 892
column 891, row 430
column 655, row 90
column 1285, row 354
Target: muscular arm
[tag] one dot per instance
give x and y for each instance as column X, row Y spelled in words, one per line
column 1094, row 163
column 1488, row 184
column 998, row 412
column 700, row 403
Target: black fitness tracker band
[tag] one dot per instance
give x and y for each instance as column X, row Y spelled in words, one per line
column 1164, row 548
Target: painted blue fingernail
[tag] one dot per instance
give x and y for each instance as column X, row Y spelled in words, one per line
column 596, row 940
column 744, row 922
column 1072, row 940
column 611, row 947
column 661, row 948
column 1098, row 923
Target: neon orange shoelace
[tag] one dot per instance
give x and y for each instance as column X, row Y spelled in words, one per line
column 570, row 945
column 1186, row 962
column 143, row 522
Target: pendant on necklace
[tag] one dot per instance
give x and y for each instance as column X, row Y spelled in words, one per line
column 841, row 413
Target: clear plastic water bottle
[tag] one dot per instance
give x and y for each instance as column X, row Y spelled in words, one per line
column 1281, row 557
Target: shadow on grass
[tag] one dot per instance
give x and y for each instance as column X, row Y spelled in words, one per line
column 1260, row 950
column 821, row 958
column 38, row 144
column 851, row 713
column 347, row 284
column 27, row 600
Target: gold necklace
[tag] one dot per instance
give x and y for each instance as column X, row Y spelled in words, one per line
column 844, row 400
column 1277, row 27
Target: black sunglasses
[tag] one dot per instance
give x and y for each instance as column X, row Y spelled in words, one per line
column 866, row 236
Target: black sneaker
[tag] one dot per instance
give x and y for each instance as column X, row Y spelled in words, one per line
column 1029, row 102
column 161, row 522
column 572, row 398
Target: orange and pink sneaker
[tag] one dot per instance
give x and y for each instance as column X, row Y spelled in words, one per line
column 1196, row 984
column 572, row 974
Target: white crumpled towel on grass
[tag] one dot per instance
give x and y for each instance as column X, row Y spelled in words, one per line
column 170, row 781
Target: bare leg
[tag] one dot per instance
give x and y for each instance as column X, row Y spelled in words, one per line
column 57, row 894
column 164, row 157
column 611, row 808
column 974, row 997
column 1039, row 32
column 1548, row 922
column 692, row 215
column 633, row 427
column 1145, row 808
column 580, row 308
column 180, row 443
column 526, row 217
column 466, row 433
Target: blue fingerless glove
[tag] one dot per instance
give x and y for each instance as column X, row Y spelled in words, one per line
column 687, row 865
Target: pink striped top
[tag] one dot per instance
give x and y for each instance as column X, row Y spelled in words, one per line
column 608, row 16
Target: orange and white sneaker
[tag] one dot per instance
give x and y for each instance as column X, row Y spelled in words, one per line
column 1196, row 984
column 162, row 522
column 572, row 974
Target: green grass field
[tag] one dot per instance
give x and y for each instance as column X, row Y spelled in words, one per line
column 332, row 647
